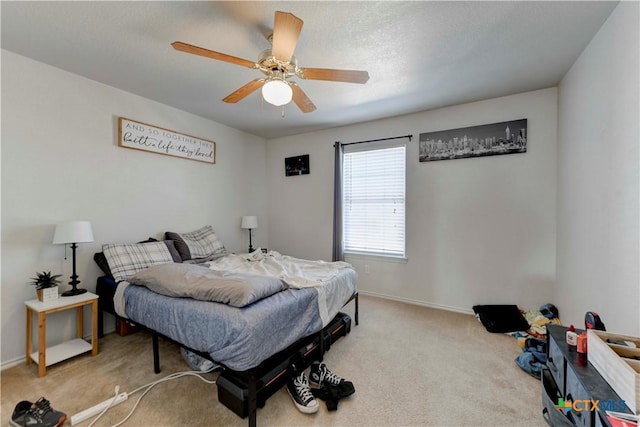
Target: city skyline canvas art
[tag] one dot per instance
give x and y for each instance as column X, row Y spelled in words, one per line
column 476, row 141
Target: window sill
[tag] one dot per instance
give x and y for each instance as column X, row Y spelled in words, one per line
column 377, row 257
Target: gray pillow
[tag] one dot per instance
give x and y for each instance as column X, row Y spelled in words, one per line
column 197, row 244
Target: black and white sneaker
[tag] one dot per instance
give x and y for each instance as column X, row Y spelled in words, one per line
column 38, row 414
column 298, row 388
column 320, row 375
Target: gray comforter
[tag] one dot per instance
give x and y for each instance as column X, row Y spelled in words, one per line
column 241, row 338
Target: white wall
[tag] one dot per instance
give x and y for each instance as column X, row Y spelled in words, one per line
column 60, row 161
column 598, row 181
column 479, row 231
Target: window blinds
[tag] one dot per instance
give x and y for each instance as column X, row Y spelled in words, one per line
column 374, row 200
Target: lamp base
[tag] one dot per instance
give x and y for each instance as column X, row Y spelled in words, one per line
column 72, row 292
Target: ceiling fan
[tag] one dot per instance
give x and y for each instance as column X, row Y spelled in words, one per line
column 278, row 65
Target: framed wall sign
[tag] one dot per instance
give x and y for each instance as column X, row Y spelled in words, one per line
column 142, row 136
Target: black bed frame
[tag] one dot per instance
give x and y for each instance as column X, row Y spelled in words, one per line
column 315, row 343
column 312, row 347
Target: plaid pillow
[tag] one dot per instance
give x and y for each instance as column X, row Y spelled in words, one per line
column 200, row 243
column 127, row 259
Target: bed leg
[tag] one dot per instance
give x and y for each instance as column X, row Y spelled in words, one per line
column 253, row 400
column 156, row 353
column 356, row 313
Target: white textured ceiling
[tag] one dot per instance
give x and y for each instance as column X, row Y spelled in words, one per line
column 420, row 55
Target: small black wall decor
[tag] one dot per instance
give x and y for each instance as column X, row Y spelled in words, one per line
column 298, row 165
column 475, row 141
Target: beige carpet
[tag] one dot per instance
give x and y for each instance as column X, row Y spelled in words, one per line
column 410, row 365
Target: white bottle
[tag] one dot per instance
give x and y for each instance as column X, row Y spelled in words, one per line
column 572, row 338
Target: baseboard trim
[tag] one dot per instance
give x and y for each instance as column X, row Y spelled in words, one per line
column 11, row 363
column 417, row 302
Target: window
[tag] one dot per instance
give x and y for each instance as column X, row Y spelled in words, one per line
column 373, row 191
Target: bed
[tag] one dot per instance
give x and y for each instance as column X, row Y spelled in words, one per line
column 241, row 311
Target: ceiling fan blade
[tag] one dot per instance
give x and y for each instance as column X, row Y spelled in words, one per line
column 188, row 48
column 244, row 91
column 348, row 76
column 286, row 30
column 301, row 99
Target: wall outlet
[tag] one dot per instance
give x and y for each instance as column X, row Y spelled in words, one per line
column 367, row 269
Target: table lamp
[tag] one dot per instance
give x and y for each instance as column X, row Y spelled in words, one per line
column 249, row 223
column 73, row 232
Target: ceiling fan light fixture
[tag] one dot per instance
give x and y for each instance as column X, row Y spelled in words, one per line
column 277, row 92
column 278, row 64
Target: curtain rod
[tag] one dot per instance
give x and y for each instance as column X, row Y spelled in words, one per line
column 376, row 140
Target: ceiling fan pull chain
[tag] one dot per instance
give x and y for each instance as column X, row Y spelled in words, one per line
column 282, row 112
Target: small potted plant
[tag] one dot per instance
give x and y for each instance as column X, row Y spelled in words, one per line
column 46, row 285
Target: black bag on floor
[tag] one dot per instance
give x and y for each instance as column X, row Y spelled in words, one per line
column 501, row 318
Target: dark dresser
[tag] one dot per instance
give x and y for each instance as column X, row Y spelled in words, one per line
column 571, row 377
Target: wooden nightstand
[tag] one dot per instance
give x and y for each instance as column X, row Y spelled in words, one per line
column 48, row 356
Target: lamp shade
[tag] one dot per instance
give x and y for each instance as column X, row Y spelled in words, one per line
column 73, row 232
column 249, row 222
column 277, row 92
